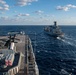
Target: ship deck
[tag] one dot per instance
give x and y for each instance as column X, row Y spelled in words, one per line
column 23, row 46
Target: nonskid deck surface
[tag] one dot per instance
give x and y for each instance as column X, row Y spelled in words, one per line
column 22, row 45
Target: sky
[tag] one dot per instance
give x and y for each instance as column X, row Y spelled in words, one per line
column 37, row 12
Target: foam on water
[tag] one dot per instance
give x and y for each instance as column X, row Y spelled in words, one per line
column 38, row 51
column 46, row 51
column 64, row 72
column 67, row 40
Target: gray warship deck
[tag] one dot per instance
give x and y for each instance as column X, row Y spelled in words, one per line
column 28, row 64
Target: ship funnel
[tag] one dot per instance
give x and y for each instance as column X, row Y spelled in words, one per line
column 55, row 23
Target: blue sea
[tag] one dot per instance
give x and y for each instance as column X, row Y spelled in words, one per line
column 53, row 56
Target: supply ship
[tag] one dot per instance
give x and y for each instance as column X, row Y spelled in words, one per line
column 54, row 30
column 16, row 55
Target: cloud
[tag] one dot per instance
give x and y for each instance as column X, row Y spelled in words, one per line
column 22, row 15
column 24, row 2
column 39, row 12
column 66, row 8
column 4, row 18
column 62, row 8
column 71, row 6
column 3, row 5
column 2, row 2
column 2, row 12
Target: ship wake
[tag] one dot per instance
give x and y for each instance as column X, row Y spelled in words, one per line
column 68, row 40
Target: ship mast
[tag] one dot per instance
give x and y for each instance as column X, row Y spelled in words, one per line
column 55, row 23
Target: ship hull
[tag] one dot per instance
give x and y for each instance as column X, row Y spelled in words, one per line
column 54, row 35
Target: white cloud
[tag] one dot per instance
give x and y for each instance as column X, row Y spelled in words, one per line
column 65, row 8
column 71, row 6
column 24, row 2
column 6, row 8
column 62, row 8
column 2, row 2
column 34, row 20
column 39, row 12
column 2, row 12
column 4, row 18
column 3, row 5
column 1, row 8
column 22, row 15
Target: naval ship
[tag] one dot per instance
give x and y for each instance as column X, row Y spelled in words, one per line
column 54, row 30
column 16, row 55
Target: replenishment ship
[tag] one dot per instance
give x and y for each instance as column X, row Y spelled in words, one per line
column 16, row 55
column 54, row 30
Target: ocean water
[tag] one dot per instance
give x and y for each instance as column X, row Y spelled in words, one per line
column 53, row 56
